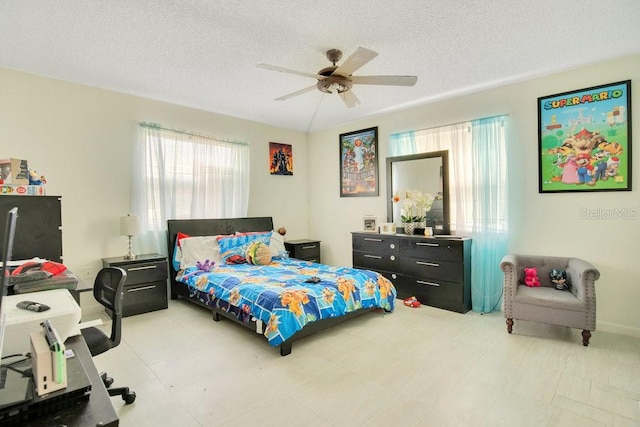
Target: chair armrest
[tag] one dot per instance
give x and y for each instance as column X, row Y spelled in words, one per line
column 509, row 265
column 583, row 276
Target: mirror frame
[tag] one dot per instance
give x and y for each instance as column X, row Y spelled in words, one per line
column 444, row 155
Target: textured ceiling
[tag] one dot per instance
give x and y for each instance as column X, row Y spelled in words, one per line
column 203, row 54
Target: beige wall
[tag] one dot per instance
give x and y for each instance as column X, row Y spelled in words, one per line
column 540, row 223
column 79, row 137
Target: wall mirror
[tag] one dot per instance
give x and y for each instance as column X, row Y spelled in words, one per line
column 426, row 172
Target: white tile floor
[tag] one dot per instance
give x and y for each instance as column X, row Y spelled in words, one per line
column 414, row 367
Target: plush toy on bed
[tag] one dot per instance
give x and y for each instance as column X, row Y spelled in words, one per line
column 205, row 266
column 531, row 278
column 559, row 279
column 201, row 268
column 258, row 253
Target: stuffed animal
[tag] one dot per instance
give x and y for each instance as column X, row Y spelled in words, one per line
column 201, row 268
column 559, row 279
column 531, row 278
column 205, row 266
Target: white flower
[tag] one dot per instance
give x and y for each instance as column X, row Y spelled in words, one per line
column 414, row 204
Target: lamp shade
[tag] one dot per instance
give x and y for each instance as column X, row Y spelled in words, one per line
column 129, row 225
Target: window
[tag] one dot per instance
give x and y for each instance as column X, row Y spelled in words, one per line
column 185, row 175
column 478, row 193
column 477, row 162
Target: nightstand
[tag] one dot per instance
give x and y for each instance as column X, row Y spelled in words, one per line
column 305, row 249
column 146, row 286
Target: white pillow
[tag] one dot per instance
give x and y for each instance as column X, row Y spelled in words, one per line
column 277, row 244
column 199, row 248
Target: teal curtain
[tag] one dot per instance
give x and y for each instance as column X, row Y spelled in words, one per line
column 402, row 144
column 490, row 221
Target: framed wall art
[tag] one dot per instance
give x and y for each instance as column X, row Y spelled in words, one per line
column 359, row 163
column 584, row 139
column 280, row 159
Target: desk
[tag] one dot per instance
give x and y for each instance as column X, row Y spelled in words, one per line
column 97, row 411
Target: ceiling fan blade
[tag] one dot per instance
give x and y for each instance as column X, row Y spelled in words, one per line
column 290, row 71
column 384, row 80
column 296, row 93
column 350, row 99
column 357, row 59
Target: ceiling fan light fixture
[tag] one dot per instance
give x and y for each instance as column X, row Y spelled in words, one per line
column 334, row 84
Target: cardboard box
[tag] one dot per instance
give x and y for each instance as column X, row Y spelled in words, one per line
column 14, row 171
column 23, row 190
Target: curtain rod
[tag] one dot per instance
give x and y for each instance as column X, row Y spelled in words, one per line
column 452, row 124
column 186, row 132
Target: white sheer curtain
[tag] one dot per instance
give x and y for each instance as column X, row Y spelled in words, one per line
column 180, row 175
column 457, row 140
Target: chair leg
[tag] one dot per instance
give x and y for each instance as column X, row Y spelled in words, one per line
column 509, row 325
column 106, row 380
column 127, row 395
column 586, row 335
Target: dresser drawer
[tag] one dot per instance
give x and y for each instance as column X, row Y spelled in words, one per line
column 144, row 297
column 436, row 293
column 374, row 261
column 433, row 249
column 308, row 250
column 376, row 244
column 145, row 272
column 441, row 270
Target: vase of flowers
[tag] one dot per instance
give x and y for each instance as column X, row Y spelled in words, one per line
column 414, row 206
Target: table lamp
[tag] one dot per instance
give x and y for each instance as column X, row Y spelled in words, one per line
column 129, row 226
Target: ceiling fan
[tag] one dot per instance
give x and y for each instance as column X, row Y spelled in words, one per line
column 339, row 79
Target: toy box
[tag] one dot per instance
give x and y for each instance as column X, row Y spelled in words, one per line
column 14, row 171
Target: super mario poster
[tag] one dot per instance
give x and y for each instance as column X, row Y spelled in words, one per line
column 359, row 163
column 584, row 139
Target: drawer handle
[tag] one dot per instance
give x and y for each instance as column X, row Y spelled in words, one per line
column 146, row 267
column 427, row 244
column 430, row 264
column 392, row 257
column 308, row 247
column 422, row 282
column 394, row 276
column 143, row 288
column 373, row 256
column 368, row 239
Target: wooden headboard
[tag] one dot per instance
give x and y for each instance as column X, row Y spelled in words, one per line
column 211, row 227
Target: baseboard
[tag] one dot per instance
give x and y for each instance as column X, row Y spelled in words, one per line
column 618, row 329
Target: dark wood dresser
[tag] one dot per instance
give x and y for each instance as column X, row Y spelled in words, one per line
column 437, row 271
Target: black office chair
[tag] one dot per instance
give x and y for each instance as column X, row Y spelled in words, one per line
column 108, row 291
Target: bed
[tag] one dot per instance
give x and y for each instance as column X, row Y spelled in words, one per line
column 282, row 299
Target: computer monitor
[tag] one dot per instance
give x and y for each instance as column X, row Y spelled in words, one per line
column 7, row 247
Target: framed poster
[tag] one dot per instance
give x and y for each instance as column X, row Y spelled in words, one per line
column 280, row 159
column 584, row 139
column 359, row 163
